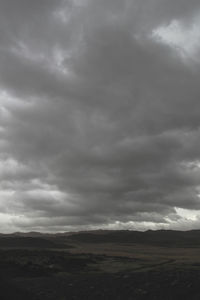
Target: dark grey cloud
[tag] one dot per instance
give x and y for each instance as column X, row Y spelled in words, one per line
column 99, row 114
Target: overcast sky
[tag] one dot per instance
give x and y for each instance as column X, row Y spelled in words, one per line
column 99, row 114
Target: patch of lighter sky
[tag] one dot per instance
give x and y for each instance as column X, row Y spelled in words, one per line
column 11, row 165
column 188, row 214
column 6, row 223
column 135, row 225
column 55, row 61
column 46, row 194
column 195, row 164
column 3, row 99
column 6, row 194
column 60, row 58
column 62, row 15
column 186, row 40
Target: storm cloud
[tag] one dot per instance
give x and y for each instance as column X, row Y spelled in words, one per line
column 99, row 114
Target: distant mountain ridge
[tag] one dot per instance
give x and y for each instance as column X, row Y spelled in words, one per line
column 169, row 238
column 165, row 238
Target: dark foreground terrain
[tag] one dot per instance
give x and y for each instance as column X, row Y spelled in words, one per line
column 101, row 265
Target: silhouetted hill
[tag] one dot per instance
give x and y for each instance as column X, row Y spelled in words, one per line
column 167, row 238
column 150, row 237
column 32, row 242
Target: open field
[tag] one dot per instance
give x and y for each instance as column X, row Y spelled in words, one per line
column 63, row 267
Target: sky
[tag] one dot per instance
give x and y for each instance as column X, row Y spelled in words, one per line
column 99, row 115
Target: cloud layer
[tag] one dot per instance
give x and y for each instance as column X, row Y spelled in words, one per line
column 99, row 114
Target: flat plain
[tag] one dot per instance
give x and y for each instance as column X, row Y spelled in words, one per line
column 101, row 265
